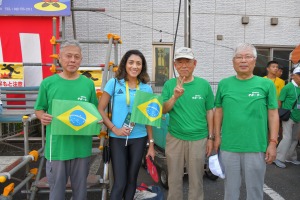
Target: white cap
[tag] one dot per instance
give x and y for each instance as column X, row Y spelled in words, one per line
column 296, row 70
column 215, row 166
column 184, row 52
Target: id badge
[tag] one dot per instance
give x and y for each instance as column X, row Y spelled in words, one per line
column 127, row 122
column 298, row 106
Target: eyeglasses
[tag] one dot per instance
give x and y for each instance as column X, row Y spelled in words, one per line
column 180, row 63
column 70, row 56
column 240, row 58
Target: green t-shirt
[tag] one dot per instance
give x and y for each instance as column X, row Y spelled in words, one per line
column 245, row 105
column 288, row 96
column 188, row 115
column 65, row 147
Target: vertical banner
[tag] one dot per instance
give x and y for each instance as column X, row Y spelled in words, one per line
column 26, row 40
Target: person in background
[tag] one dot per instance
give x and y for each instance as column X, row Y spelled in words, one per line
column 189, row 100
column 127, row 146
column 272, row 68
column 67, row 155
column 289, row 99
column 246, row 107
column 279, row 71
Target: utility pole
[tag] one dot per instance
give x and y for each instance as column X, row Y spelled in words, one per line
column 187, row 24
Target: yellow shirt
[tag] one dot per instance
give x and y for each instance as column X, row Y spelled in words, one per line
column 279, row 84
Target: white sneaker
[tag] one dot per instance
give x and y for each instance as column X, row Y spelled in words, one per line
column 144, row 194
column 295, row 162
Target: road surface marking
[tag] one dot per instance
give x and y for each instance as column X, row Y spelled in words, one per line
column 274, row 195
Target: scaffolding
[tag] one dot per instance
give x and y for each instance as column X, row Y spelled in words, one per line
column 24, row 114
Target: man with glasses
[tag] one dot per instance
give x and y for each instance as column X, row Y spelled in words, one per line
column 67, row 155
column 189, row 101
column 246, row 106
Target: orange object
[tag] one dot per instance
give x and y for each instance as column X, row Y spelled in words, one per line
column 296, row 55
column 35, row 155
column 99, row 93
column 102, row 134
column 8, row 189
column 115, row 69
column 54, row 56
column 53, row 68
column 109, row 35
column 110, row 63
column 34, row 171
column 53, row 40
column 117, row 37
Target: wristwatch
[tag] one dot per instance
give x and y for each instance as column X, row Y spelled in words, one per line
column 210, row 137
column 151, row 141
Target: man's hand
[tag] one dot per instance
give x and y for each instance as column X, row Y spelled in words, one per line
column 46, row 119
column 271, row 153
column 179, row 90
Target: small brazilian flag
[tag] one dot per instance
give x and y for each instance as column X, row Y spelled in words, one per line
column 147, row 109
column 74, row 118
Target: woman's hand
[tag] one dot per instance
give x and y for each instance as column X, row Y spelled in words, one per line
column 124, row 131
column 151, row 151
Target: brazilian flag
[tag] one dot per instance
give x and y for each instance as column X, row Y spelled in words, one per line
column 74, row 118
column 147, row 109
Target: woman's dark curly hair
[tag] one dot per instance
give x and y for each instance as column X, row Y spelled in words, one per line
column 121, row 73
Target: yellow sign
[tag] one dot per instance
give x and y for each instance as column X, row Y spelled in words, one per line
column 11, row 71
column 50, row 6
column 94, row 74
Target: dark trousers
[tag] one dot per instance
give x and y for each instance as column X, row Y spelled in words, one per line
column 126, row 162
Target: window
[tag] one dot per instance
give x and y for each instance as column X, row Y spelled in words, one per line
column 279, row 54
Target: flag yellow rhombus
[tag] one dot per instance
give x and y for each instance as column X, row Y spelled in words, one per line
column 151, row 109
column 77, row 118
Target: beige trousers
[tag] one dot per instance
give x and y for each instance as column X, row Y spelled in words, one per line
column 189, row 154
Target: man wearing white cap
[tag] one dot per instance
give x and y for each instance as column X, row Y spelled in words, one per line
column 246, row 107
column 189, row 100
column 289, row 99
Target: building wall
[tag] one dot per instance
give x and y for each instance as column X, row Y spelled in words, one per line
column 139, row 24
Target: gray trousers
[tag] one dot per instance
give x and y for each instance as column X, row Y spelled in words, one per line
column 249, row 166
column 286, row 149
column 58, row 173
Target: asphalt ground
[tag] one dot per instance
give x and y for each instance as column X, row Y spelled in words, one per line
column 280, row 184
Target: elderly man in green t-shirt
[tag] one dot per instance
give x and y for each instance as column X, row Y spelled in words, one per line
column 189, row 101
column 67, row 155
column 246, row 107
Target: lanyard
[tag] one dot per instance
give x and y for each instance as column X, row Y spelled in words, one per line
column 127, row 92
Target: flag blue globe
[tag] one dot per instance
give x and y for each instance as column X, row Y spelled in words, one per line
column 77, row 118
column 153, row 109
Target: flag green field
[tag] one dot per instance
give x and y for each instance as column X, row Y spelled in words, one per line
column 147, row 109
column 74, row 118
